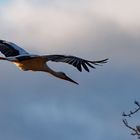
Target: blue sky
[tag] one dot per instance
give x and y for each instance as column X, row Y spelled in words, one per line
column 35, row 105
column 4, row 1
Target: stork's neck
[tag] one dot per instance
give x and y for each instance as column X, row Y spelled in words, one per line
column 49, row 70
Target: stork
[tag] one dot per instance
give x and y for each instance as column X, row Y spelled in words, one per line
column 25, row 61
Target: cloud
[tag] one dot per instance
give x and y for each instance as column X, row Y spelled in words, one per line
column 67, row 27
column 70, row 27
column 123, row 12
column 49, row 25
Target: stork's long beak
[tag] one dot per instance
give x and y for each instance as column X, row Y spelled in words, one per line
column 70, row 80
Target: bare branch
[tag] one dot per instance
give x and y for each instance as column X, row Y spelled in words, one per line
column 132, row 112
column 138, row 128
column 136, row 131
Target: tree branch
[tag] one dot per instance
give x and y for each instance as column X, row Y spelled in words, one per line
column 132, row 112
column 136, row 131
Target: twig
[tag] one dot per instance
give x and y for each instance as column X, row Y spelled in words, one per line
column 136, row 131
column 132, row 112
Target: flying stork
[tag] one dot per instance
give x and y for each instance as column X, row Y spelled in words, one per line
column 26, row 61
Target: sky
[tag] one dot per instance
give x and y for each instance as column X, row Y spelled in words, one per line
column 35, row 105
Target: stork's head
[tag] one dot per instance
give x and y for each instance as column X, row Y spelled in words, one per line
column 63, row 76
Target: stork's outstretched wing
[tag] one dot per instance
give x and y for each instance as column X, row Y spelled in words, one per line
column 75, row 61
column 10, row 49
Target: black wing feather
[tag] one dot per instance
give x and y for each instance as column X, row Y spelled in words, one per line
column 78, row 66
column 10, row 49
column 89, row 65
column 85, row 66
column 75, row 61
column 7, row 50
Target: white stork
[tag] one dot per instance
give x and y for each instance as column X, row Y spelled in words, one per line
column 26, row 61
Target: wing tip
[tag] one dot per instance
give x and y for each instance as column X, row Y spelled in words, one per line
column 99, row 61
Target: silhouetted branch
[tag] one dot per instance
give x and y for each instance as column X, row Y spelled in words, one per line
column 136, row 131
column 132, row 112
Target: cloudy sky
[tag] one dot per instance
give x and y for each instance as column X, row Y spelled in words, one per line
column 34, row 105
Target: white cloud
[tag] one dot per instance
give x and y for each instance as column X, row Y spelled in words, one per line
column 104, row 27
column 49, row 25
column 124, row 12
